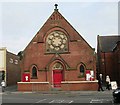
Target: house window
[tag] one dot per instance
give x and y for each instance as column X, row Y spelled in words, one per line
column 16, row 62
column 34, row 72
column 11, row 60
column 82, row 70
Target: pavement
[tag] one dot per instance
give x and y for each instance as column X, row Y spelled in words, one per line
column 12, row 95
column 13, row 89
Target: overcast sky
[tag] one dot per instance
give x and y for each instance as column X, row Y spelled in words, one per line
column 20, row 21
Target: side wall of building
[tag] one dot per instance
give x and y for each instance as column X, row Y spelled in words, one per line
column 13, row 73
column 117, row 63
column 107, row 64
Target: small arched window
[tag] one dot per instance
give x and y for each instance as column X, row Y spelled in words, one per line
column 82, row 70
column 34, row 72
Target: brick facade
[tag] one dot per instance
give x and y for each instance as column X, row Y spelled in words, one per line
column 107, row 64
column 13, row 71
column 10, row 68
column 108, row 57
column 70, row 51
column 116, row 55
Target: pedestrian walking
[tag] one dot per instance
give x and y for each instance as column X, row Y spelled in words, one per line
column 100, row 82
column 3, row 85
column 108, row 82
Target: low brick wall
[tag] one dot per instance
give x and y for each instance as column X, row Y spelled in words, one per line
column 65, row 86
column 80, row 85
column 33, row 86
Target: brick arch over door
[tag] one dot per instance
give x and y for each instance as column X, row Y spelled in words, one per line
column 53, row 68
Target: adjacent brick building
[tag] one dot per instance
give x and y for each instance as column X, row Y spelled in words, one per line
column 108, row 52
column 116, row 54
column 9, row 67
column 58, row 57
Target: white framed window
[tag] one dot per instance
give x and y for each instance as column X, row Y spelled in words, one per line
column 11, row 60
column 16, row 62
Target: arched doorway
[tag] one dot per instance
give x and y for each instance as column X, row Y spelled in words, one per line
column 57, row 70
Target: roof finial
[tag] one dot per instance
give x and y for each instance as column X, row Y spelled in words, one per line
column 56, row 7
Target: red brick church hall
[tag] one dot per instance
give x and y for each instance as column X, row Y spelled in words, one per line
column 58, row 57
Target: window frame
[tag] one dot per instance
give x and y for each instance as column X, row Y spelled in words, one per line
column 82, row 72
column 34, row 72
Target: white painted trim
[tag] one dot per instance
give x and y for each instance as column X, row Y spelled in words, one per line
column 32, row 82
column 79, row 81
column 61, row 82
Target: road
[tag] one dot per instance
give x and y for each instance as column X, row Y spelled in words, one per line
column 67, row 97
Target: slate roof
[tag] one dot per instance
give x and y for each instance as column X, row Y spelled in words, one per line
column 107, row 43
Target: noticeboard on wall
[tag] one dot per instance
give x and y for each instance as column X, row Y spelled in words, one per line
column 25, row 77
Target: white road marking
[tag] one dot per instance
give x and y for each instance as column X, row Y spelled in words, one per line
column 61, row 101
column 56, row 101
column 101, row 101
column 52, row 101
column 41, row 100
column 70, row 102
column 95, row 101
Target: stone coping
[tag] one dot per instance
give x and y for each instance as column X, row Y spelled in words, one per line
column 79, row 81
column 63, row 82
column 33, row 82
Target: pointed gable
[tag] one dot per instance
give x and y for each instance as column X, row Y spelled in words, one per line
column 57, row 22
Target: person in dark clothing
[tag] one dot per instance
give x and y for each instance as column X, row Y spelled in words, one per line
column 100, row 82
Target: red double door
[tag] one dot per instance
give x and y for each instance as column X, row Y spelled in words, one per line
column 57, row 78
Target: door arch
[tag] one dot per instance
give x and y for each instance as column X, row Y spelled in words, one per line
column 57, row 71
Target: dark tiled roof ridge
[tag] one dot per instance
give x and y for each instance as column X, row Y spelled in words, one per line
column 107, row 43
column 109, row 35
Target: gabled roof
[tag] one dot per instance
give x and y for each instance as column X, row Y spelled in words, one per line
column 107, row 43
column 57, row 20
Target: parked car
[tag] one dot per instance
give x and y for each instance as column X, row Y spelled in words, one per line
column 116, row 95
